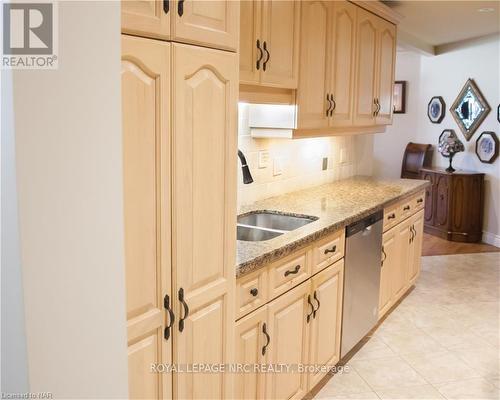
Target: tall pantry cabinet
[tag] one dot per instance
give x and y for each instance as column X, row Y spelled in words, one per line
column 179, row 104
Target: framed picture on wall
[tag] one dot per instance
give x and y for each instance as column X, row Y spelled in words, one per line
column 399, row 97
column 436, row 109
column 487, row 147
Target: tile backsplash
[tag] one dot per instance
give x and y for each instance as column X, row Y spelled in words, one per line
column 300, row 161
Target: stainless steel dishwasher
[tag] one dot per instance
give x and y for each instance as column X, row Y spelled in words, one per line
column 361, row 279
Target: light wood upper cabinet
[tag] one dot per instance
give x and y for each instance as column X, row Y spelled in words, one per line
column 343, row 63
column 204, row 103
column 288, row 333
column 145, row 71
column 149, row 18
column 385, row 71
column 210, row 23
column 251, row 342
column 326, row 322
column 250, row 25
column 376, row 57
column 366, row 65
column 269, row 40
column 315, row 59
column 388, row 272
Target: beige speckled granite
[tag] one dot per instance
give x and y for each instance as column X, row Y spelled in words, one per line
column 335, row 204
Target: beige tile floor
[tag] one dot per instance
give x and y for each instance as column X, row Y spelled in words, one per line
column 441, row 342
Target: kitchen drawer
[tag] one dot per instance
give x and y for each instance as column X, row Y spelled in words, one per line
column 287, row 273
column 251, row 292
column 419, row 202
column 328, row 250
column 406, row 208
column 391, row 216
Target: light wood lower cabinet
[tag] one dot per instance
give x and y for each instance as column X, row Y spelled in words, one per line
column 145, row 76
column 300, row 327
column 288, row 332
column 250, row 349
column 401, row 260
column 170, row 164
column 211, row 23
column 204, row 102
column 325, row 325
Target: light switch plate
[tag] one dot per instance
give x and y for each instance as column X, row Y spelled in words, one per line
column 324, row 167
column 277, row 167
column 263, row 158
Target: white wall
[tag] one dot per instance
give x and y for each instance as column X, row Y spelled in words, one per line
column 14, row 367
column 444, row 75
column 301, row 161
column 69, row 175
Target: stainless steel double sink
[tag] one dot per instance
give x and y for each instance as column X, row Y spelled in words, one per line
column 264, row 225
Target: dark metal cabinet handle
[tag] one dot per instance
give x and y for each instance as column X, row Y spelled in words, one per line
column 385, row 256
column 391, row 216
column 332, row 250
column 261, row 54
column 293, row 271
column 375, row 104
column 334, row 105
column 254, row 292
column 268, row 338
column 186, row 310
column 166, row 6
column 420, row 200
column 378, row 106
column 329, row 104
column 180, row 7
column 412, row 233
column 171, row 316
column 268, row 56
column 406, row 208
column 317, row 301
column 308, row 318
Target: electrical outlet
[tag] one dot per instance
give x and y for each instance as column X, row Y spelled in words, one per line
column 263, row 158
column 342, row 158
column 277, row 167
column 324, row 167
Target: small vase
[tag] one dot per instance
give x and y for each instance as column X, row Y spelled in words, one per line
column 450, row 168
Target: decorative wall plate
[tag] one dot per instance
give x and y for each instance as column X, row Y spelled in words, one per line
column 469, row 109
column 487, row 147
column 436, row 109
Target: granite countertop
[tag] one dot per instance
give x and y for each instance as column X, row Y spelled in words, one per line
column 335, row 204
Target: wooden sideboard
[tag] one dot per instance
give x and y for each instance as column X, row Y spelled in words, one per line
column 454, row 204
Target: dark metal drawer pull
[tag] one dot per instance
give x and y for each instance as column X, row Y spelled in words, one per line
column 180, row 7
column 254, row 292
column 293, row 271
column 391, row 216
column 329, row 104
column 406, row 208
column 268, row 56
column 186, row 309
column 319, row 304
column 332, row 250
column 171, row 316
column 260, row 55
column 268, row 338
column 420, row 200
column 385, row 256
column 308, row 318
column 166, row 6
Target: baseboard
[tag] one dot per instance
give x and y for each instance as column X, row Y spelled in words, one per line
column 491, row 238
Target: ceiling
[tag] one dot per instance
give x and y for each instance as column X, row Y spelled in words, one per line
column 436, row 23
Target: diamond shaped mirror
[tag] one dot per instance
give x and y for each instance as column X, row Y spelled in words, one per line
column 469, row 109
